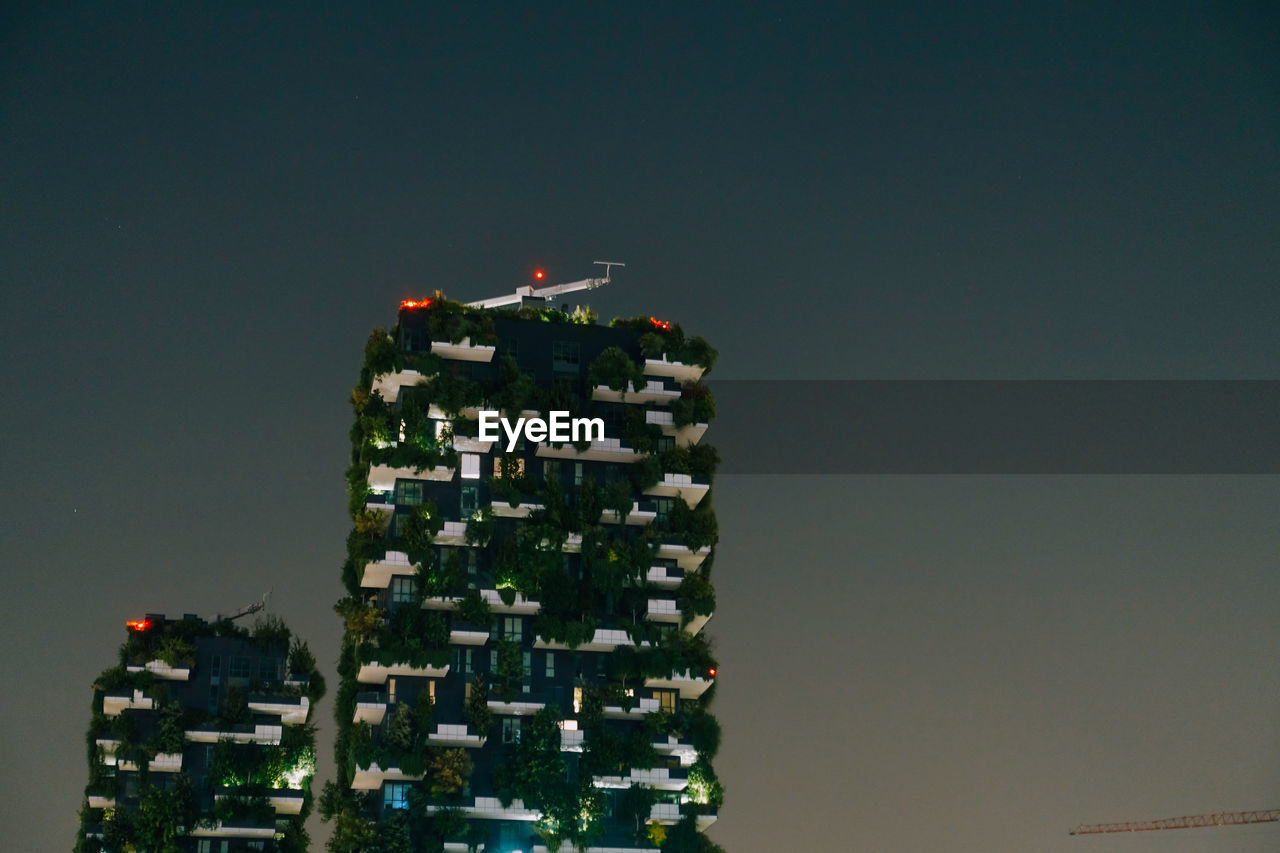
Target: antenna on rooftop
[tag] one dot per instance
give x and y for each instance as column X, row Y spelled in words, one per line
column 548, row 292
column 247, row 609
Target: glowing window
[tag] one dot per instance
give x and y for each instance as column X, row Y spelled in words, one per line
column 471, row 466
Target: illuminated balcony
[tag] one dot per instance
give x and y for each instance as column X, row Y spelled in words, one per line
column 690, row 686
column 676, row 748
column 571, row 740
column 658, row 778
column 604, row 450
column 378, row 673
column 666, row 610
column 463, row 350
column 163, row 762
column 371, row 778
column 378, row 573
column 286, row 801
column 673, row 369
column 382, row 478
column 638, row 711
column 160, row 669
column 245, row 827
column 292, row 710
column 371, row 707
column 654, row 391
column 115, row 701
column 642, row 513
column 455, row 735
column 468, row 636
column 664, row 577
column 389, row 384
column 261, row 733
column 503, row 509
column 515, row 709
column 99, row 802
column 686, row 558
column 682, row 485
column 520, row 606
column 604, row 640
column 684, row 436
column 491, row 808
column 453, row 533
column 667, row 813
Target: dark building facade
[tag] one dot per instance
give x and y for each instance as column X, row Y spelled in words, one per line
column 524, row 666
column 200, row 740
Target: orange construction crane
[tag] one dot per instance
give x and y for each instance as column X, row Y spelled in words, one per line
column 1187, row 822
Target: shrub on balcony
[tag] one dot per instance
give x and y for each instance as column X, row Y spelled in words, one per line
column 476, row 710
column 695, row 596
column 695, row 406
column 615, row 369
column 473, row 608
column 449, row 770
column 480, row 528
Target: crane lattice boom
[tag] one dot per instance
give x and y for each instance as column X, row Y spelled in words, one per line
column 1186, row 822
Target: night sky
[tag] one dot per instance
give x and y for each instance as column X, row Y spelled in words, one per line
column 203, row 211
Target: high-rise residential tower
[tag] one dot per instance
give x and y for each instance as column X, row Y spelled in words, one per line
column 524, row 665
column 200, row 740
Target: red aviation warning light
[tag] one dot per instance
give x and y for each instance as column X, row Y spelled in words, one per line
column 660, row 324
column 138, row 624
column 539, row 275
column 411, row 304
column 712, row 672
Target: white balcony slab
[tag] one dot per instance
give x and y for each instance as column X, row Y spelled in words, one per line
column 389, row 384
column 682, row 486
column 689, row 685
column 467, row 637
column 604, row 640
column 160, row 669
column 378, row 573
column 603, row 450
column 463, row 350
column 371, row 778
column 382, row 478
column 112, row 705
column 262, row 733
column 654, row 391
column 377, row 673
column 673, row 369
column 448, row 734
column 685, row 557
column 292, row 711
column 684, row 436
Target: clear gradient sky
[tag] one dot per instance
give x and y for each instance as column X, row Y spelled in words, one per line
column 203, row 211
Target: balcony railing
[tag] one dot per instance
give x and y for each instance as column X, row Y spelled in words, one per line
column 674, row 369
column 378, row 573
column 463, row 350
column 115, row 701
column 261, row 733
column 684, row 436
column 604, row 450
column 654, row 391
column 371, row 778
column 382, row 478
column 293, row 710
column 371, row 707
column 389, row 384
column 692, row 491
column 160, row 669
column 691, row 686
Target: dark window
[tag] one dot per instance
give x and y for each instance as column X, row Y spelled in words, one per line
column 408, row 492
column 395, row 795
column 239, row 667
column 269, row 669
column 564, row 356
column 663, row 507
column 665, row 443
column 470, row 501
column 403, row 590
